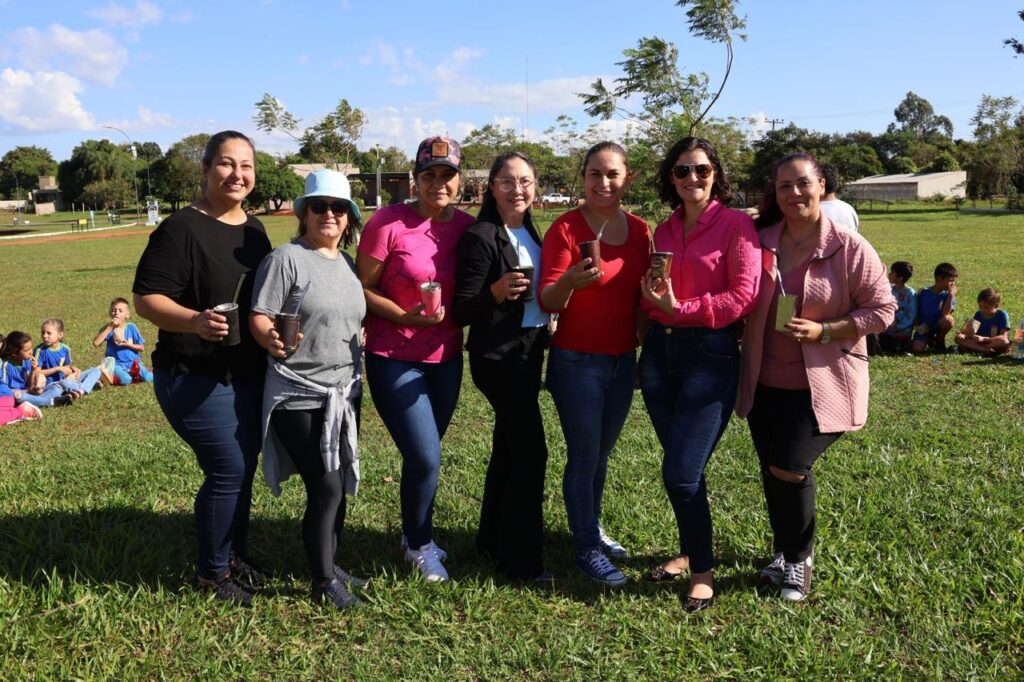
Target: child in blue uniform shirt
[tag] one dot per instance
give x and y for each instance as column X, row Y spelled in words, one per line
column 53, row 358
column 16, row 371
column 124, row 346
column 935, row 306
column 988, row 331
column 896, row 339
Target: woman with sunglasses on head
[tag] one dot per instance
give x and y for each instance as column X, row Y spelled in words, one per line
column 804, row 379
column 508, row 333
column 414, row 355
column 689, row 365
column 200, row 257
column 313, row 381
column 591, row 365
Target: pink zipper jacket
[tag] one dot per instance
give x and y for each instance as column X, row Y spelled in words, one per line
column 715, row 269
column 845, row 277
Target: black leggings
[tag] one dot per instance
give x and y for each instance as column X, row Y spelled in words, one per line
column 786, row 436
column 299, row 431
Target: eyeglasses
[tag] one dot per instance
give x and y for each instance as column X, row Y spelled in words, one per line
column 319, row 206
column 703, row 170
column 509, row 184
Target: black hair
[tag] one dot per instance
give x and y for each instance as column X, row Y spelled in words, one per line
column 217, row 140
column 769, row 211
column 945, row 271
column 721, row 189
column 991, row 296
column 902, row 269
column 14, row 341
column 606, row 146
column 831, row 174
column 489, row 207
column 352, row 228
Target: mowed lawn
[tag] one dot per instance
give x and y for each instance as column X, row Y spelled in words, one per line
column 919, row 566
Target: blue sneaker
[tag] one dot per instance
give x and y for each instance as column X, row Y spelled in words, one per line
column 597, row 567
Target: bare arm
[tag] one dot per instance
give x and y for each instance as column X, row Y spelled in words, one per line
column 370, row 270
column 556, row 296
column 98, row 340
column 170, row 316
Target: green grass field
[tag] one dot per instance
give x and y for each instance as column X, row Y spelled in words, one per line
column 920, row 558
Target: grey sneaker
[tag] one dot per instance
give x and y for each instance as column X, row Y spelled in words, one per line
column 335, row 592
column 796, row 581
column 427, row 561
column 609, row 546
column 772, row 573
column 595, row 565
column 440, row 552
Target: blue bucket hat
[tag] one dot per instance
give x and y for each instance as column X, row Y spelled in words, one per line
column 327, row 183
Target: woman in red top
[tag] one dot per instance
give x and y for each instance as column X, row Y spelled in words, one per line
column 689, row 367
column 593, row 355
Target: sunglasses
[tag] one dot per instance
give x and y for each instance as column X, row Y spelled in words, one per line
column 703, row 170
column 319, row 206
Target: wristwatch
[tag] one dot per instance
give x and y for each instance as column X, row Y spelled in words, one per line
column 826, row 333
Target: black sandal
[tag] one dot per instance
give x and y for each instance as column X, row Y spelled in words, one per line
column 658, row 574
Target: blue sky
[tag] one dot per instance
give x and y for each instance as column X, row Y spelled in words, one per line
column 163, row 69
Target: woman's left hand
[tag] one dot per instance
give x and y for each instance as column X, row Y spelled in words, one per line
column 804, row 331
column 658, row 292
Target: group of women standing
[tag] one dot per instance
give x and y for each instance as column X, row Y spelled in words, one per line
column 807, row 292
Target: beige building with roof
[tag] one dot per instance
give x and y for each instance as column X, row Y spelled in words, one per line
column 907, row 186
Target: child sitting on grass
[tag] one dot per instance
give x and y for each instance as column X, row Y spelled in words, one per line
column 988, row 331
column 9, row 412
column 124, row 346
column 53, row 358
column 896, row 339
column 935, row 306
column 16, row 370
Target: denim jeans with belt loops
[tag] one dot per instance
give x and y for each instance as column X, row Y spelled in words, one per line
column 592, row 393
column 689, row 377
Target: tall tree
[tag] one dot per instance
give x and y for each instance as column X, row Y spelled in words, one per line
column 276, row 182
column 330, row 139
column 1014, row 44
column 916, row 115
column 21, row 167
column 177, row 176
column 996, row 164
column 92, row 161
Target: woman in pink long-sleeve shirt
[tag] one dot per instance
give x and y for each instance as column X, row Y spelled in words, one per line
column 690, row 362
column 804, row 375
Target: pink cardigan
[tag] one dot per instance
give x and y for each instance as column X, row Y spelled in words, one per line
column 714, row 271
column 845, row 277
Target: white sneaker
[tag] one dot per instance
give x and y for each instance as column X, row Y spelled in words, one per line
column 440, row 552
column 796, row 583
column 609, row 546
column 427, row 560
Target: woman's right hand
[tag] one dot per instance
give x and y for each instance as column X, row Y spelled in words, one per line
column 414, row 317
column 509, row 286
column 581, row 275
column 210, row 326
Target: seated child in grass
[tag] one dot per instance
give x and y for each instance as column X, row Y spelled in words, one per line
column 988, row 331
column 124, row 346
column 9, row 412
column 17, row 368
column 896, row 339
column 53, row 357
column 935, row 306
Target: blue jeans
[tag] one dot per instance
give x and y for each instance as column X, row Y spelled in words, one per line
column 124, row 378
column 689, row 377
column 592, row 393
column 416, row 400
column 221, row 423
column 85, row 382
column 44, row 399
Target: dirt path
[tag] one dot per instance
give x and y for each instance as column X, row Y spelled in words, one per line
column 75, row 237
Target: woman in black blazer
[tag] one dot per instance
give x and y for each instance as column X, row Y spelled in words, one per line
column 495, row 295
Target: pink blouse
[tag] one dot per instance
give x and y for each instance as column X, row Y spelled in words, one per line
column 715, row 270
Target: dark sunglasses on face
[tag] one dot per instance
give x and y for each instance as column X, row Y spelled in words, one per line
column 703, row 170
column 319, row 206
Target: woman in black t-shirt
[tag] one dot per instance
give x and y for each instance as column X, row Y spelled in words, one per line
column 209, row 388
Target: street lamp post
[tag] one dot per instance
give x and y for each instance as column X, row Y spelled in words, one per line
column 135, row 177
column 377, row 149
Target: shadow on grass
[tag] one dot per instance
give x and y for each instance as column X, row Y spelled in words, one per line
column 998, row 360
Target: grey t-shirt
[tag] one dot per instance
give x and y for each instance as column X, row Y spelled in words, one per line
column 332, row 311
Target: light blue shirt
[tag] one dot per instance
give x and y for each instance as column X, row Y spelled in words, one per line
column 528, row 252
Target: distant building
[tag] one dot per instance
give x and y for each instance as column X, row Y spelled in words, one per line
column 304, row 169
column 398, row 185
column 907, row 186
column 47, row 197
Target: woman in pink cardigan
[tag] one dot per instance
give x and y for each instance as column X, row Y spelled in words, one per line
column 690, row 362
column 804, row 373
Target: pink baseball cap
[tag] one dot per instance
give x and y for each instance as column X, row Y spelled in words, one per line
column 438, row 151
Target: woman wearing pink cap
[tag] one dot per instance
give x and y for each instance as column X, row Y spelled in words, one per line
column 414, row 359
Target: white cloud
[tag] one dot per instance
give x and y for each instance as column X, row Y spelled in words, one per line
column 142, row 14
column 90, row 55
column 42, row 101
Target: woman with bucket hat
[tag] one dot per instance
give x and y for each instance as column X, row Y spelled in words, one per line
column 313, row 380
column 406, row 262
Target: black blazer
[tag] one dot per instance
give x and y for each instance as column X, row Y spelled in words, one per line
column 484, row 254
